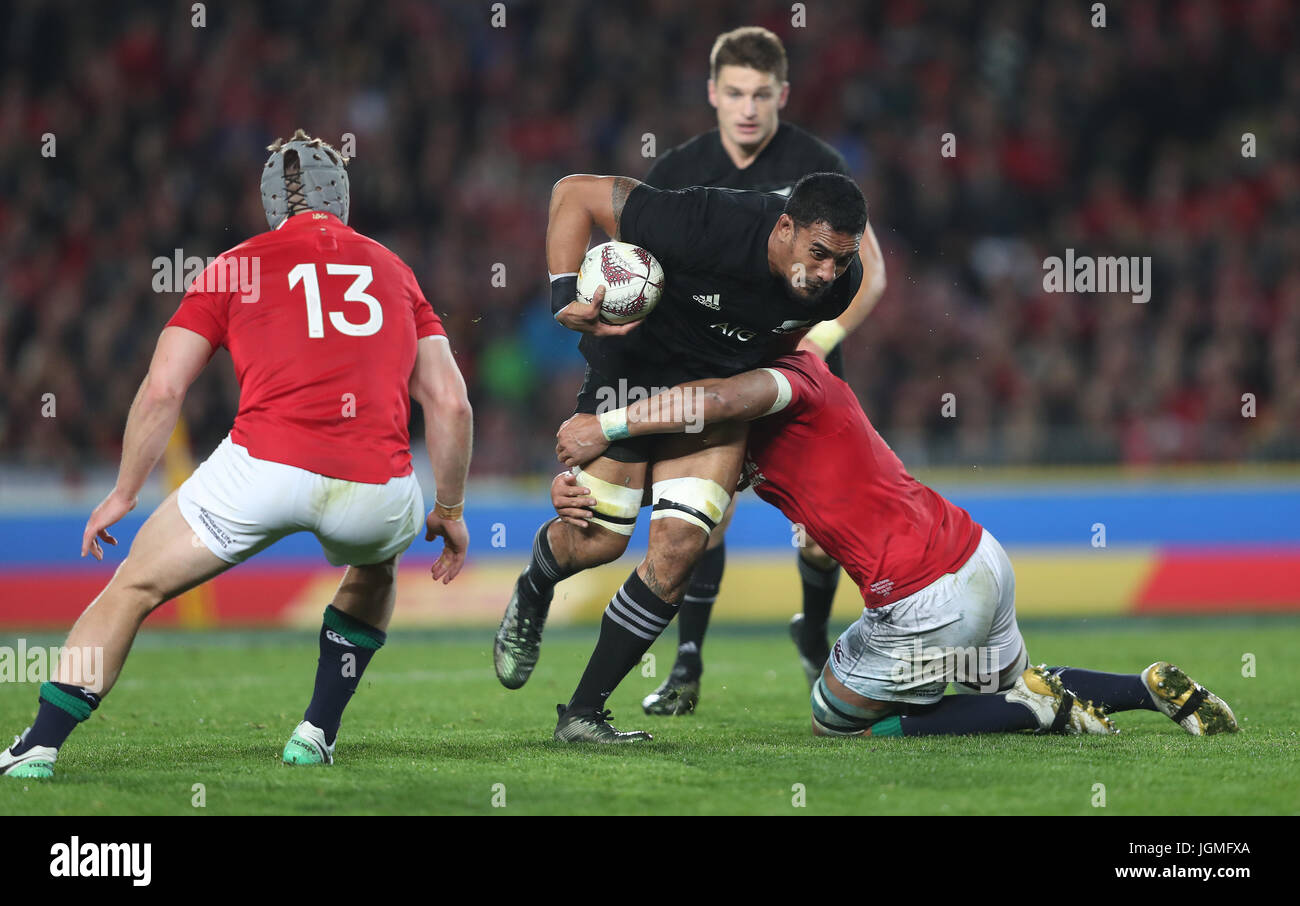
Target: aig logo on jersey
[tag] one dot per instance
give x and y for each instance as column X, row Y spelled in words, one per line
column 743, row 334
column 713, row 301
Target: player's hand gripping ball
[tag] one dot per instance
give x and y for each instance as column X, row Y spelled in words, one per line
column 633, row 281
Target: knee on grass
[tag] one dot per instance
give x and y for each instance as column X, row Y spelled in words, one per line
column 834, row 715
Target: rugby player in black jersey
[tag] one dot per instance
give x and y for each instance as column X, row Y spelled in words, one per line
column 771, row 267
column 752, row 149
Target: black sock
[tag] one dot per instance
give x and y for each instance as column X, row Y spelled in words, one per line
column 1109, row 691
column 697, row 606
column 543, row 572
column 62, row 706
column 346, row 647
column 818, row 594
column 635, row 617
column 962, row 715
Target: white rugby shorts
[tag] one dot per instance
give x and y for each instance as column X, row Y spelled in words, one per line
column 960, row 628
column 239, row 505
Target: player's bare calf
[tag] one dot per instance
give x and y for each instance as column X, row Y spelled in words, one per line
column 693, row 478
column 562, row 549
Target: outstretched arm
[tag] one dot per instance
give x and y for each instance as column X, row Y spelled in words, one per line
column 579, row 203
column 684, row 409
column 177, row 361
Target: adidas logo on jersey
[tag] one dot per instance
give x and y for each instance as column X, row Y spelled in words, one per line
column 713, row 301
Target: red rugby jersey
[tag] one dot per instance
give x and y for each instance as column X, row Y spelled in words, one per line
column 321, row 323
column 820, row 461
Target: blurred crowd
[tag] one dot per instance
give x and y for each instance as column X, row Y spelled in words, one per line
column 126, row 132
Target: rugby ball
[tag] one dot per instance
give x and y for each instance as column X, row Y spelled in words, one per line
column 633, row 281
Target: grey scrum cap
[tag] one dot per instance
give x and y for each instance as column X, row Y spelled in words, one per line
column 322, row 172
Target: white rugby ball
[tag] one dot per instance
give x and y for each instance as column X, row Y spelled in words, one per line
column 633, row 281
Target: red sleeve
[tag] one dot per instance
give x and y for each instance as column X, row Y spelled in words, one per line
column 427, row 323
column 205, row 309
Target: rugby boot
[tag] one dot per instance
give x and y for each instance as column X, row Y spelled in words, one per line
column 592, row 727
column 518, row 642
column 812, row 658
column 1186, row 702
column 307, row 746
column 37, row 763
column 677, row 695
column 1056, row 707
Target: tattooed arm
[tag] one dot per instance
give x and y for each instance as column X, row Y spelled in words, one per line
column 577, row 204
column 618, row 193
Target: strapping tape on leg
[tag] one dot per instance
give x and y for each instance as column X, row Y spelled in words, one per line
column 699, row 501
column 616, row 506
column 836, row 717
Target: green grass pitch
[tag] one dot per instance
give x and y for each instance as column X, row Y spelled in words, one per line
column 431, row 731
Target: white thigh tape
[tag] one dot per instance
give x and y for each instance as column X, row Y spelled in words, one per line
column 616, row 507
column 699, row 501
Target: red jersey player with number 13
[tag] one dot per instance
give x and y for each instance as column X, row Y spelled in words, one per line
column 328, row 351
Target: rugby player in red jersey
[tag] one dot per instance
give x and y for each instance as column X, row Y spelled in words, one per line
column 938, row 589
column 328, row 351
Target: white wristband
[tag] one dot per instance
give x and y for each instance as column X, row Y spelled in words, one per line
column 613, row 424
column 826, row 334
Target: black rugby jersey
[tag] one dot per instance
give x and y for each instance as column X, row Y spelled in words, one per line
column 723, row 311
column 788, row 157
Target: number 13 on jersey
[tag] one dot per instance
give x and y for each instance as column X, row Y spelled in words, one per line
column 306, row 275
